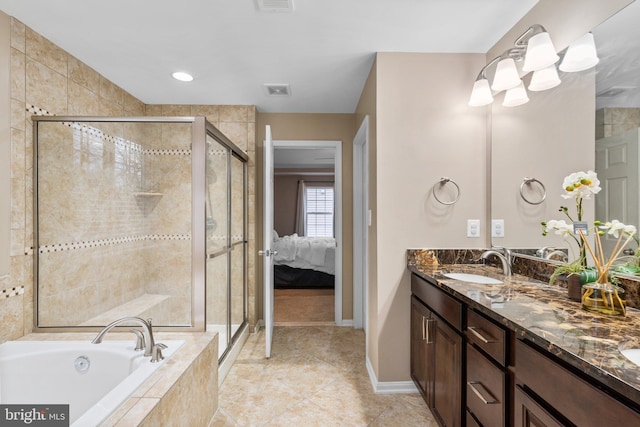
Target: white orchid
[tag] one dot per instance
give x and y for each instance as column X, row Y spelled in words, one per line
column 615, row 227
column 581, row 185
column 559, row 227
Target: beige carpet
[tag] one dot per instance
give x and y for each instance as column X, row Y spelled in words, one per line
column 303, row 306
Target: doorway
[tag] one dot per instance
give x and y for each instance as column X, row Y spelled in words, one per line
column 307, row 232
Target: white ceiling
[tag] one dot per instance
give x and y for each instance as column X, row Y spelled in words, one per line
column 323, row 50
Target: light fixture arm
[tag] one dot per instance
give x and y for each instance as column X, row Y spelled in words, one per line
column 481, row 74
column 521, row 42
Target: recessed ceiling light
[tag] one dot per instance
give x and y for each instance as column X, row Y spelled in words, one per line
column 182, row 76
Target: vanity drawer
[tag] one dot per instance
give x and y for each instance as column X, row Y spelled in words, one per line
column 447, row 307
column 488, row 336
column 582, row 403
column 485, row 389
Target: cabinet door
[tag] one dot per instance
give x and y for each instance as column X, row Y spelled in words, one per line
column 529, row 414
column 421, row 350
column 447, row 375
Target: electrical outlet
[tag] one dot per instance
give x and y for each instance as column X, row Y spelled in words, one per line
column 497, row 228
column 473, row 228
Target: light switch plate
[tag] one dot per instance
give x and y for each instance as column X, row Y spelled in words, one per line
column 473, row 228
column 497, row 228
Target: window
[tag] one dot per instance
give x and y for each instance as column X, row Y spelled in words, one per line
column 319, row 211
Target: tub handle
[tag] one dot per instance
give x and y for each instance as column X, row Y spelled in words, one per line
column 140, row 345
column 156, row 352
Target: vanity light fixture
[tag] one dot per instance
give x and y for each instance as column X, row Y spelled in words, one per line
column 506, row 75
column 515, row 96
column 182, row 76
column 481, row 93
column 540, row 50
column 544, row 79
column 539, row 54
column 581, row 55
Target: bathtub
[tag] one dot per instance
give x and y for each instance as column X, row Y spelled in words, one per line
column 93, row 379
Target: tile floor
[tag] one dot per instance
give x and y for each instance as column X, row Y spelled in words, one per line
column 316, row 376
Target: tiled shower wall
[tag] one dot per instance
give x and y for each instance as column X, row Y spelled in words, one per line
column 48, row 78
column 612, row 121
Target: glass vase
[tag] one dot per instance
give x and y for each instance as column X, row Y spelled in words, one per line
column 604, row 298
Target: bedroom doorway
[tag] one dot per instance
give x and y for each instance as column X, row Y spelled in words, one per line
column 307, row 232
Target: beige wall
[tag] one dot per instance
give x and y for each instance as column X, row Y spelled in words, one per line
column 425, row 131
column 328, row 127
column 285, row 196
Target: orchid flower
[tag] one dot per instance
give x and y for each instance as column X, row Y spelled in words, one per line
column 581, row 185
column 559, row 227
column 615, row 227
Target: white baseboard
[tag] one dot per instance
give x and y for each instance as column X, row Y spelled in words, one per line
column 346, row 322
column 389, row 387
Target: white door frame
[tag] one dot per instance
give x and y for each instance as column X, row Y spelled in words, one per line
column 360, row 224
column 337, row 145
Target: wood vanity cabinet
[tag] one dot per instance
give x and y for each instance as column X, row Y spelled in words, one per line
column 436, row 351
column 471, row 370
column 549, row 394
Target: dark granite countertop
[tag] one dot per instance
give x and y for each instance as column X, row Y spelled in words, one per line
column 544, row 315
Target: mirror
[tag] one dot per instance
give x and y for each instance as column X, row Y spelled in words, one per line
column 554, row 135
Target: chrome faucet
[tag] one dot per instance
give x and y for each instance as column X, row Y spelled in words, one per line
column 503, row 254
column 150, row 347
column 542, row 252
column 557, row 253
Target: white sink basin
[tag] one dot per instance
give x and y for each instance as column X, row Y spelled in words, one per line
column 473, row 278
column 632, row 354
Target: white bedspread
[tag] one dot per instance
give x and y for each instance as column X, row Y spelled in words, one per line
column 315, row 253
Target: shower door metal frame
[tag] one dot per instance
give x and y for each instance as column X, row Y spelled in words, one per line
column 200, row 127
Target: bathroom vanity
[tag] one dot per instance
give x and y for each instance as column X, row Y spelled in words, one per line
column 518, row 353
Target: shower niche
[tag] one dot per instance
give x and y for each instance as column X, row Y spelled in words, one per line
column 140, row 216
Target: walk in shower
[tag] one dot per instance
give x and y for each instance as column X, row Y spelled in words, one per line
column 141, row 216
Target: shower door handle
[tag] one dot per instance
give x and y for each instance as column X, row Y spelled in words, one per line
column 267, row 253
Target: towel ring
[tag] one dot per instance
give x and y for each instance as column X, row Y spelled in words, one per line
column 529, row 181
column 443, row 181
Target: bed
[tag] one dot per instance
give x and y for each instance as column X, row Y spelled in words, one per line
column 304, row 262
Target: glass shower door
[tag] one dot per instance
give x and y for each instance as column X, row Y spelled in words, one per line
column 217, row 240
column 238, row 245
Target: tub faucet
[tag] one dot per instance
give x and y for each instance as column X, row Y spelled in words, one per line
column 147, row 333
column 505, row 258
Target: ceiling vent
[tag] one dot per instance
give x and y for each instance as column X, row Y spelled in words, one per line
column 277, row 89
column 275, row 6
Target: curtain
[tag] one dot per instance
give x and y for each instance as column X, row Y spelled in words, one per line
column 301, row 209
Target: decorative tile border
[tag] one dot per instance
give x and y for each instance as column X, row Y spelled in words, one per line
column 60, row 247
column 117, row 141
column 12, row 292
column 176, row 152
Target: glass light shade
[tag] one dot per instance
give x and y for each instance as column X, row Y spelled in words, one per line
column 481, row 94
column 581, row 55
column 544, row 79
column 506, row 75
column 515, row 96
column 540, row 53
